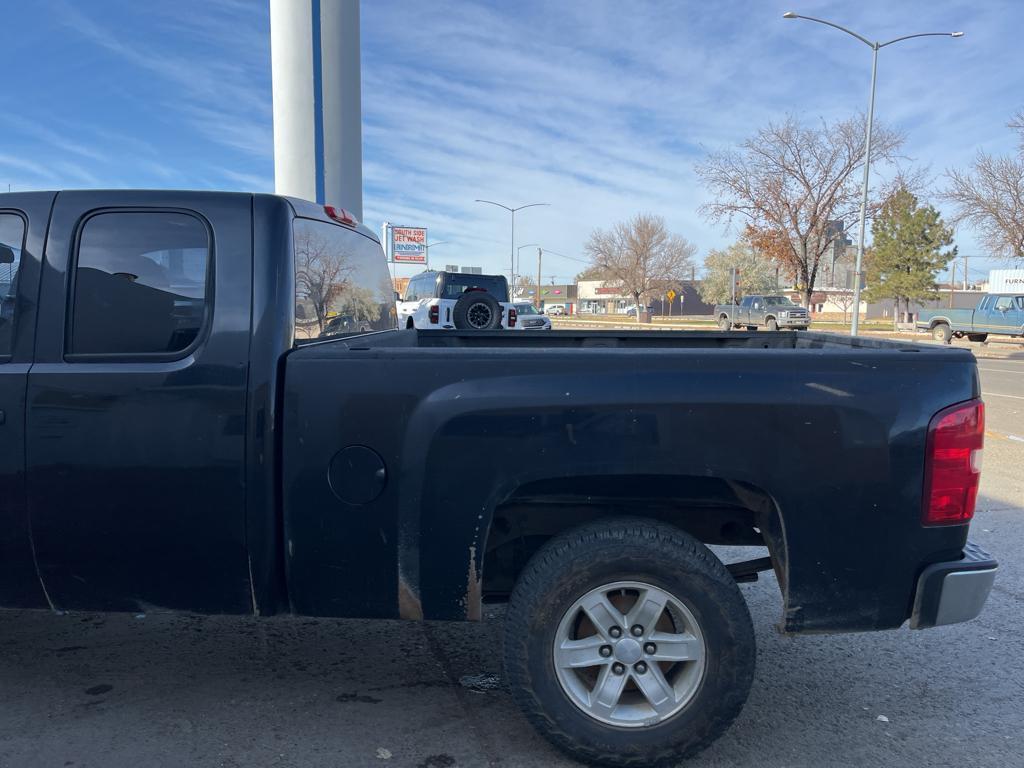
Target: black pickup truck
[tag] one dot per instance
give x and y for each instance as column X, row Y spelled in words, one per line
column 183, row 431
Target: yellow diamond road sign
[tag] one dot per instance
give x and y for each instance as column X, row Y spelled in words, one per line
column 671, row 295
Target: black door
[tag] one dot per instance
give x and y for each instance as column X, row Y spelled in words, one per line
column 22, row 228
column 136, row 403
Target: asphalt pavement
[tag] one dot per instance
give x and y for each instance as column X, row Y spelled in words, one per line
column 105, row 691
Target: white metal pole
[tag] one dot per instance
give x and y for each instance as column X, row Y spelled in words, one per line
column 291, row 60
column 340, row 90
column 855, row 325
column 315, row 72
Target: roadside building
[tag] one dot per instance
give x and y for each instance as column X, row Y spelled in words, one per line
column 599, row 298
column 563, row 295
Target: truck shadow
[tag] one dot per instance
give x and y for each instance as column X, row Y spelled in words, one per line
column 117, row 690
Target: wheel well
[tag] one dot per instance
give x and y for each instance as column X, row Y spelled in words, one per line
column 938, row 321
column 714, row 511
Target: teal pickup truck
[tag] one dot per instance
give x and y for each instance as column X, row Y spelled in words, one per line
column 1000, row 313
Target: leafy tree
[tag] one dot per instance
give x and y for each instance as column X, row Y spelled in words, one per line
column 789, row 181
column 910, row 247
column 757, row 272
column 640, row 257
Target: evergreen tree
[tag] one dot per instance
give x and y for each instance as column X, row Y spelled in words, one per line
column 910, row 247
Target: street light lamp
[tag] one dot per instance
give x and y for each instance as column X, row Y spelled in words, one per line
column 874, row 46
column 512, row 266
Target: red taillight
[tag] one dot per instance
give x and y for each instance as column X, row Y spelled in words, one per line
column 434, row 313
column 511, row 318
column 952, row 467
column 341, row 216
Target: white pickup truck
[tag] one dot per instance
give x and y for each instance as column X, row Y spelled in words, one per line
column 456, row 300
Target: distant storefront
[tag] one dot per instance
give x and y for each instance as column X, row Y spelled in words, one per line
column 596, row 297
column 563, row 296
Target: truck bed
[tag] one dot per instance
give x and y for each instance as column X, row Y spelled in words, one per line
column 677, row 340
column 815, row 440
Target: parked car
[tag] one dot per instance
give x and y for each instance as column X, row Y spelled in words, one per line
column 529, row 319
column 345, row 324
column 554, row 309
column 997, row 313
column 170, row 444
column 457, row 300
column 769, row 312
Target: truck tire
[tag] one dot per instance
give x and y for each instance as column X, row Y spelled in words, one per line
column 772, row 324
column 942, row 332
column 979, row 337
column 724, row 324
column 628, row 643
column 477, row 311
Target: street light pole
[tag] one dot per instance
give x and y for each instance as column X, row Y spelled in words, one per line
column 519, row 258
column 428, row 246
column 512, row 266
column 874, row 46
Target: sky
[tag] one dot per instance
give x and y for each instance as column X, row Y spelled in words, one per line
column 600, row 108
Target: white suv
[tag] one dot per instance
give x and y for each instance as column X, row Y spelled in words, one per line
column 456, row 300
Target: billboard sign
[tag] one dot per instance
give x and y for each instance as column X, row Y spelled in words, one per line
column 409, row 245
column 1006, row 280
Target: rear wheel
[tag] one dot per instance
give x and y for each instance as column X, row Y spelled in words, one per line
column 723, row 323
column 477, row 311
column 628, row 643
column 942, row 332
column 772, row 324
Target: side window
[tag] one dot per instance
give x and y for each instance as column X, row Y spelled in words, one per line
column 746, row 301
column 140, row 284
column 1004, row 302
column 12, row 236
column 410, row 291
column 342, row 283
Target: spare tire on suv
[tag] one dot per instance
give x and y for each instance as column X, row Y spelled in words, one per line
column 477, row 311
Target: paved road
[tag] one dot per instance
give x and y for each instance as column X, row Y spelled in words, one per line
column 108, row 691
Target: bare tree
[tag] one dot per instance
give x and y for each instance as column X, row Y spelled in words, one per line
column 843, row 300
column 990, row 197
column 321, row 274
column 789, row 181
column 640, row 257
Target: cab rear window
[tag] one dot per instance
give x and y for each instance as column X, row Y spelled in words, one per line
column 342, row 285
column 457, row 284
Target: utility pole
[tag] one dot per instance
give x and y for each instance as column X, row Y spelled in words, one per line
column 965, row 273
column 952, row 283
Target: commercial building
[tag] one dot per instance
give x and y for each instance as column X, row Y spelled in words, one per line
column 599, row 298
column 563, row 295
